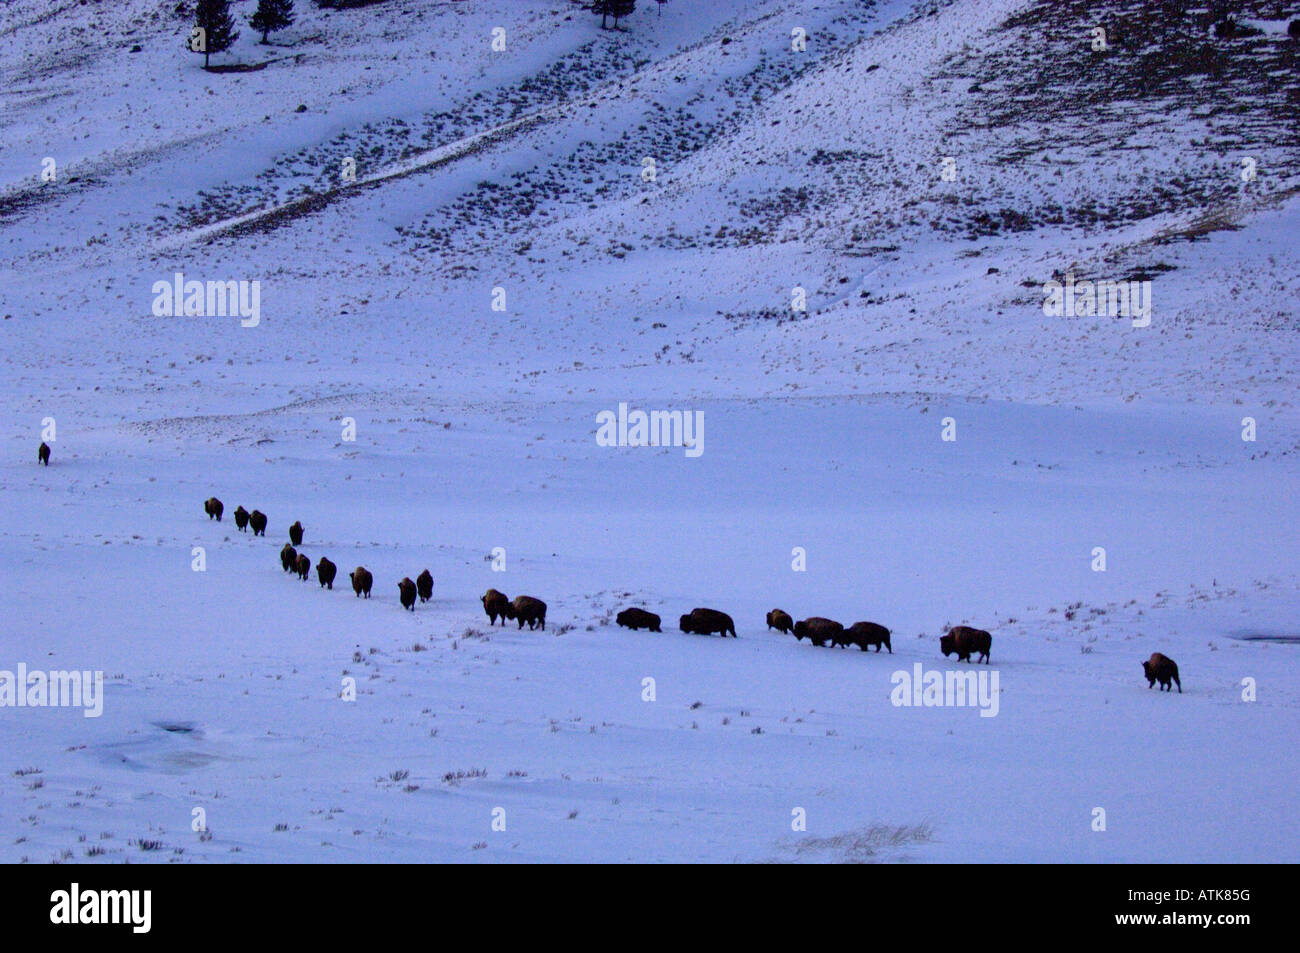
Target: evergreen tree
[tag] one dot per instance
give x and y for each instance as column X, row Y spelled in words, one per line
column 218, row 26
column 271, row 15
column 612, row 8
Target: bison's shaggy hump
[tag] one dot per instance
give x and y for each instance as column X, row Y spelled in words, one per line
column 1162, row 669
column 212, row 506
column 638, row 619
column 406, row 589
column 819, row 630
column 241, row 518
column 303, row 566
column 288, row 558
column 495, row 604
column 781, row 621
column 707, row 622
column 43, row 453
column 965, row 641
column 295, row 533
column 530, row 610
column 325, row 572
column 257, row 520
column 863, row 634
column 361, row 581
column 424, row 586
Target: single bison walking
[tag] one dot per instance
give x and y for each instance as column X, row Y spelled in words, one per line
column 288, row 558
column 212, row 506
column 781, row 621
column 361, row 581
column 530, row 610
column 1162, row 669
column 707, row 622
column 496, row 604
column 965, row 641
column 863, row 634
column 43, row 454
column 424, row 586
column 295, row 533
column 325, row 572
column 257, row 520
column 819, row 631
column 638, row 619
column 303, row 566
column 406, row 589
column 241, row 518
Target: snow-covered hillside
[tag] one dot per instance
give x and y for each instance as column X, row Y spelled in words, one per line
column 537, row 234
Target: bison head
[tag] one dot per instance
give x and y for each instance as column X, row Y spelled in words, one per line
column 947, row 644
column 685, row 623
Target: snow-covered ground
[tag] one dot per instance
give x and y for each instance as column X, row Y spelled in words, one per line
column 485, row 176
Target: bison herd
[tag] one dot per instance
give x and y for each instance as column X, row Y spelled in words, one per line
column 963, row 640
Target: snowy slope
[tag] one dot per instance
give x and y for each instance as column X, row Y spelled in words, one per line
column 475, row 428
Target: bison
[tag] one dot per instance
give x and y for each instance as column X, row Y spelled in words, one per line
column 638, row 619
column 1292, row 30
column 295, row 533
column 361, row 581
column 863, row 634
column 1162, row 669
column 496, row 604
column 707, row 622
column 530, row 610
column 965, row 641
column 43, row 454
column 303, row 566
column 241, row 518
column 257, row 520
column 424, row 586
column 781, row 621
column 406, row 589
column 288, row 558
column 325, row 572
column 212, row 506
column 819, row 631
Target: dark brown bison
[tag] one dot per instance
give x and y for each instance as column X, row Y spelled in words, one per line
column 707, row 622
column 212, row 506
column 406, row 589
column 1293, row 31
column 781, row 621
column 863, row 634
column 1226, row 29
column 43, row 454
column 1162, row 669
column 295, row 533
column 288, row 558
column 325, row 572
column 819, row 631
column 424, row 586
column 241, row 518
column 638, row 619
column 303, row 566
column 361, row 581
column 965, row 641
column 496, row 604
column 530, row 610
column 257, row 520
